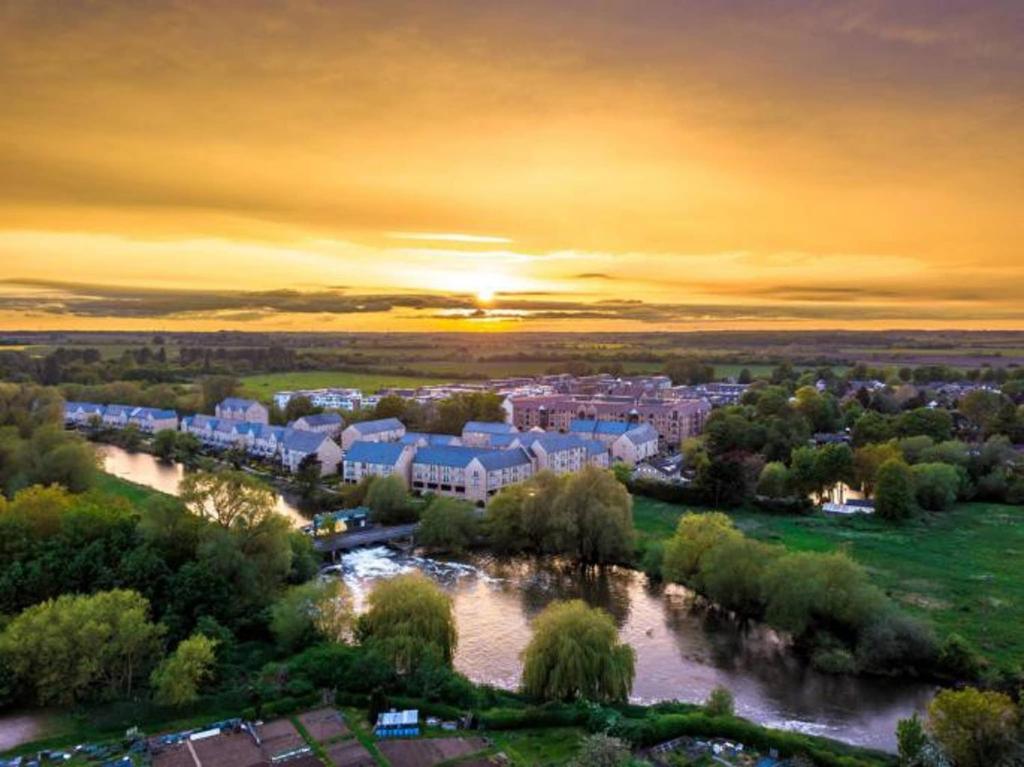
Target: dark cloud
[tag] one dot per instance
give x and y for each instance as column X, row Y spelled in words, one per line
column 94, row 301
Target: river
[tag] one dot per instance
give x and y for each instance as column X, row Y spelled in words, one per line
column 682, row 651
column 145, row 469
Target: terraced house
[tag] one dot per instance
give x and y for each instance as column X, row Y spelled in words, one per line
column 380, row 430
column 377, row 459
column 237, row 409
column 466, row 472
column 480, row 433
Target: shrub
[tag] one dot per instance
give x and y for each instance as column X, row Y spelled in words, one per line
column 720, row 702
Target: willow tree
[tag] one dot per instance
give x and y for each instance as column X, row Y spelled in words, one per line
column 575, row 653
column 409, row 620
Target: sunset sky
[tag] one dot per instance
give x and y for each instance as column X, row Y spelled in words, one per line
column 517, row 165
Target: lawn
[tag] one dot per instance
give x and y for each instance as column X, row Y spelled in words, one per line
column 263, row 386
column 135, row 493
column 961, row 569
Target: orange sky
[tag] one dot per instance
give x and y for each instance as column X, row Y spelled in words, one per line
column 531, row 165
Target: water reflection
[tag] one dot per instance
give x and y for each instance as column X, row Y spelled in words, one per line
column 148, row 470
column 683, row 649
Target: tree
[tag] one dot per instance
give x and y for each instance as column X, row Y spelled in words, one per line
column 388, row 500
column 720, row 702
column 935, row 423
column 695, row 535
column 410, row 621
column 935, row 485
column 872, row 427
column 79, row 647
column 774, row 480
column 600, row 750
column 310, row 611
column 575, row 653
column 600, row 512
column 165, row 444
column 307, row 478
column 894, row 494
column 689, row 371
column 974, row 728
column 867, row 460
column 448, row 525
column 911, row 740
column 180, row 676
column 229, row 498
column 298, row 406
column 835, row 464
column 216, row 389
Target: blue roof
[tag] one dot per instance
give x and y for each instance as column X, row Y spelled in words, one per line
column 642, row 433
column 556, row 442
column 504, row 440
column 381, row 424
column 303, row 441
column 321, row 419
column 238, row 402
column 84, row 406
column 119, row 409
column 460, row 457
column 447, row 455
column 386, row 453
column 595, row 447
column 590, row 426
column 503, row 459
column 155, row 413
column 489, row 427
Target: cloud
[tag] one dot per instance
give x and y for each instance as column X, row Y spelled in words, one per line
column 96, row 301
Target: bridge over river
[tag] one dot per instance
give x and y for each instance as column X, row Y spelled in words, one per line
column 372, row 536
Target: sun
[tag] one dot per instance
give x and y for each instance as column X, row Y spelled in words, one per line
column 485, row 295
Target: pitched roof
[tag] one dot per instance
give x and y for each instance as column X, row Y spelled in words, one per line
column 447, row 455
column 595, row 447
column 91, row 407
column 492, row 460
column 238, row 402
column 505, row 440
column 375, row 452
column 489, row 427
column 303, row 441
column 555, row 442
column 590, row 426
column 154, row 413
column 643, row 433
column 375, row 427
column 321, row 419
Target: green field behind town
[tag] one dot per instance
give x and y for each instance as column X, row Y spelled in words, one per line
column 961, row 569
column 262, row 387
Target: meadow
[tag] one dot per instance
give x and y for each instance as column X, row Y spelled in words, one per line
column 262, row 387
column 960, row 569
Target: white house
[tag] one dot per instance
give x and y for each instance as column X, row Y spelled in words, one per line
column 330, row 424
column 237, row 409
column 560, row 453
column 479, row 433
column 636, row 445
column 377, row 459
column 380, row 430
column 466, row 472
column 81, row 413
column 116, row 416
column 151, row 420
column 296, row 445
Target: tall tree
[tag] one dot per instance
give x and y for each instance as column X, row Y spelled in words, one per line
column 575, row 653
column 179, row 677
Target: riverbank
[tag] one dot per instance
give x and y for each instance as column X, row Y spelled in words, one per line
column 525, row 733
column 958, row 569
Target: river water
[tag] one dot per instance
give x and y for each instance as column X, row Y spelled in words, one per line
column 683, row 651
column 146, row 469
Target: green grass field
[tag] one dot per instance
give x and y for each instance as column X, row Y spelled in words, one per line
column 961, row 569
column 263, row 386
